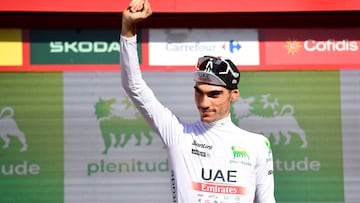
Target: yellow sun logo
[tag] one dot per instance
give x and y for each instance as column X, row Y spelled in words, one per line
column 292, row 47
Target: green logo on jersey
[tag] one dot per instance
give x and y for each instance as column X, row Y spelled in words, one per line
column 239, row 152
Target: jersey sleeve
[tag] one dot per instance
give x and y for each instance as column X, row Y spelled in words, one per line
column 264, row 174
column 160, row 118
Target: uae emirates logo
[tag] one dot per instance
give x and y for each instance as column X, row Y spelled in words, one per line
column 292, row 46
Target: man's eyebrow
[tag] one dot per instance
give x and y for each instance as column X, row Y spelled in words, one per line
column 198, row 90
column 213, row 92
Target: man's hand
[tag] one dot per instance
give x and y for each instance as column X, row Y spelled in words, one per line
column 137, row 11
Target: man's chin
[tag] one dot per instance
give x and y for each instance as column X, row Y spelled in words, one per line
column 207, row 119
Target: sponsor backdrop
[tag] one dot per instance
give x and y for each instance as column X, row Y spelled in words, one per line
column 31, row 137
column 70, row 134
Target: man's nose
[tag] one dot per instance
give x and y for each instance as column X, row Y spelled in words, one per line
column 204, row 102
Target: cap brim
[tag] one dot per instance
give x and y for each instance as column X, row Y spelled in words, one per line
column 209, row 78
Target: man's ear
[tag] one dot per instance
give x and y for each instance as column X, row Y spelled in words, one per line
column 235, row 95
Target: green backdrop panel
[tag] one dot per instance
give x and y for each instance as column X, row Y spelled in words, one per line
column 31, row 128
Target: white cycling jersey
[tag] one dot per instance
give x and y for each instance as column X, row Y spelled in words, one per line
column 210, row 162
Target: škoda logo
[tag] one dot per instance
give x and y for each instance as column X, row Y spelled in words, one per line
column 8, row 127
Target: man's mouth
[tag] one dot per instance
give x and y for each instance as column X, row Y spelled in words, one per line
column 205, row 111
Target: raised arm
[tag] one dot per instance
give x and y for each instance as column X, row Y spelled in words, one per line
column 160, row 118
column 137, row 11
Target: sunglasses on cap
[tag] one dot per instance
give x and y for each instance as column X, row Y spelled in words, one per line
column 214, row 70
column 215, row 65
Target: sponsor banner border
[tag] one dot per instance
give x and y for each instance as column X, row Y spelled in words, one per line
column 27, row 67
column 180, row 6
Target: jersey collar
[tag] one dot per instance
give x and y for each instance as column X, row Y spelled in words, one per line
column 221, row 122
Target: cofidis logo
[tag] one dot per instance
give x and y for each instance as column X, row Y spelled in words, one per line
column 312, row 46
column 331, row 45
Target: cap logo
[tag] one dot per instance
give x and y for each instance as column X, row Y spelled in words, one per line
column 228, row 69
column 209, row 67
column 204, row 77
column 210, row 64
column 216, row 71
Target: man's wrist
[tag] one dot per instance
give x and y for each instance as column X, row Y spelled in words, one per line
column 128, row 32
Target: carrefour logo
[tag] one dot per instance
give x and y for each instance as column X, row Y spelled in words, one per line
column 233, row 46
column 293, row 46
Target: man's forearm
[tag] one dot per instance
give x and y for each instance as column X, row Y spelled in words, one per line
column 128, row 29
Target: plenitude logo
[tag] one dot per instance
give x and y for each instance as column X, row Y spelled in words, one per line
column 117, row 126
column 117, row 132
column 131, row 166
column 296, row 129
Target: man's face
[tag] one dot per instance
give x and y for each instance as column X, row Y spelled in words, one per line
column 213, row 102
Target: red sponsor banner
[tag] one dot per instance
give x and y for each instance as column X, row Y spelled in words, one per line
column 217, row 188
column 181, row 5
column 280, row 50
column 311, row 47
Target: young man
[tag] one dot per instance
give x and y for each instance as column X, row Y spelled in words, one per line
column 211, row 160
